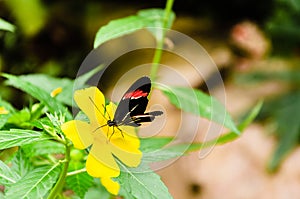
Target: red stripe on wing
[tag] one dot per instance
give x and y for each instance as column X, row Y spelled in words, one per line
column 135, row 94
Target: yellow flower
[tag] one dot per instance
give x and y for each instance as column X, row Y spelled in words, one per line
column 3, row 111
column 107, row 142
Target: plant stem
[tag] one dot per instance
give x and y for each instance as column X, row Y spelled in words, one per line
column 61, row 180
column 76, row 172
column 160, row 43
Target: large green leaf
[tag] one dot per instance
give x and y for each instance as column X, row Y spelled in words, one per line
column 21, row 164
column 43, row 96
column 34, row 184
column 7, row 176
column 19, row 137
column 151, row 18
column 4, row 25
column 50, row 83
column 196, row 102
column 141, row 185
column 44, row 147
column 159, row 148
column 81, row 182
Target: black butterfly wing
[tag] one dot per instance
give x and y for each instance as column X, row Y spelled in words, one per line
column 133, row 103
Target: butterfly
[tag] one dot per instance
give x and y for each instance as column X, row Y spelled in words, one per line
column 131, row 108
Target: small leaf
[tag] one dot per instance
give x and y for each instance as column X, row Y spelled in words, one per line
column 141, row 185
column 7, row 176
column 19, row 137
column 196, row 102
column 151, row 18
column 19, row 118
column 81, row 182
column 4, row 117
column 4, row 25
column 117, row 28
column 34, row 184
column 156, row 18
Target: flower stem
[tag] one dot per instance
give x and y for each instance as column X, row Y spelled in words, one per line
column 76, row 172
column 160, row 43
column 61, row 180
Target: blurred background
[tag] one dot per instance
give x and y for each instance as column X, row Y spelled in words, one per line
column 256, row 46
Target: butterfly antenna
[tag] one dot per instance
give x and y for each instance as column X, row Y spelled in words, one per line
column 106, row 112
column 96, row 107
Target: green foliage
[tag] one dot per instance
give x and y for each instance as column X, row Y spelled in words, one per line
column 7, row 176
column 20, row 164
column 153, row 19
column 284, row 25
column 4, row 25
column 19, row 137
column 30, row 15
column 81, row 182
column 35, row 184
column 196, row 102
column 286, row 117
column 68, row 85
column 44, row 147
column 141, row 185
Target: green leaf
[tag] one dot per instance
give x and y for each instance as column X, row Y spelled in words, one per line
column 19, row 117
column 19, row 137
column 7, row 176
column 20, row 164
column 4, row 25
column 81, row 182
column 286, row 115
column 43, row 147
column 38, row 93
column 196, row 102
column 97, row 190
column 156, row 18
column 141, row 185
column 68, row 85
column 228, row 137
column 151, row 18
column 154, row 143
column 117, row 28
column 9, row 108
column 34, row 184
column 157, row 149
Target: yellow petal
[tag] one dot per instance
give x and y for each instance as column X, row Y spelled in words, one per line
column 91, row 101
column 79, row 133
column 124, row 148
column 127, row 150
column 56, row 91
column 111, row 186
column 100, row 162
